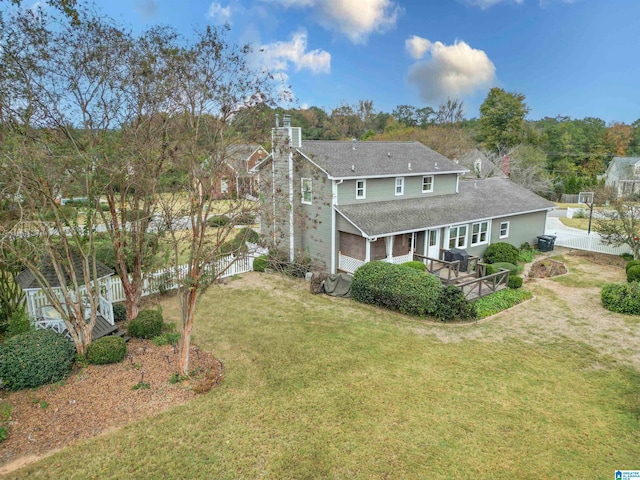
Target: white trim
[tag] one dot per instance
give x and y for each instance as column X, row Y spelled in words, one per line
column 432, row 182
column 506, row 235
column 364, row 189
column 401, row 185
column 413, row 174
column 303, row 191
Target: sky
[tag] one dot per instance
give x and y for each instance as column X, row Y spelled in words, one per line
column 575, row 58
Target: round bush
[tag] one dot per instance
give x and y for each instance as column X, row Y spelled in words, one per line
column 119, row 312
column 514, row 282
column 633, row 274
column 632, row 263
column 218, row 221
column 35, row 358
column 501, row 252
column 147, row 324
column 421, row 267
column 513, row 270
column 396, row 287
column 621, row 297
column 452, row 305
column 260, row 263
column 104, row 350
column 490, row 270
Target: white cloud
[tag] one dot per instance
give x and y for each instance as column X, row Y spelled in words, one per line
column 452, row 71
column 484, row 4
column 357, row 19
column 219, row 14
column 147, row 8
column 278, row 56
column 417, row 46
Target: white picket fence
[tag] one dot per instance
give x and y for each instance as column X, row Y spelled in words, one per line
column 592, row 243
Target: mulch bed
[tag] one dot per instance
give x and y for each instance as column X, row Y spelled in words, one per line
column 97, row 398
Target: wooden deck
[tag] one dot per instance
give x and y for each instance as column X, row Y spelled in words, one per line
column 102, row 328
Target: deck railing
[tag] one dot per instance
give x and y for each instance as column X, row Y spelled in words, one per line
column 484, row 285
column 448, row 272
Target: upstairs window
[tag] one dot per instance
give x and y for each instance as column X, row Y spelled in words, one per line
column 479, row 233
column 361, row 189
column 399, row 185
column 306, row 191
column 427, row 184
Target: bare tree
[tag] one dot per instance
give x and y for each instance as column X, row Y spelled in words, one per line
column 620, row 225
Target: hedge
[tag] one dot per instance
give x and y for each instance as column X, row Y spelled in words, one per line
column 452, row 305
column 632, row 263
column 420, row 266
column 515, row 282
column 260, row 263
column 621, row 297
column 396, row 287
column 35, row 358
column 147, row 324
column 501, row 252
column 633, row 274
column 105, row 350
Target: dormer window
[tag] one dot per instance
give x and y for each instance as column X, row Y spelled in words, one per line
column 399, row 185
column 361, row 189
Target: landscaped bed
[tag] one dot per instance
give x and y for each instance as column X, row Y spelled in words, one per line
column 99, row 398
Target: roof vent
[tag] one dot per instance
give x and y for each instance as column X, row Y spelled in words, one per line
column 436, row 165
column 389, row 154
column 409, row 166
column 353, row 143
column 475, row 184
column 353, row 168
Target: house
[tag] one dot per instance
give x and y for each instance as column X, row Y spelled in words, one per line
column 623, row 175
column 237, row 177
column 481, row 165
column 344, row 203
column 44, row 315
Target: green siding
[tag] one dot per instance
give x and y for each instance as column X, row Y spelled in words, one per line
column 383, row 189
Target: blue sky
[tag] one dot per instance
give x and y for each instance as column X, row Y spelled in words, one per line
column 577, row 58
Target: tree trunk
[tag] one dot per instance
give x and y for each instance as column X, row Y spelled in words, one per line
column 188, row 312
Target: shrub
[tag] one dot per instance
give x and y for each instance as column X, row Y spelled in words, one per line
column 396, row 287
column 260, row 263
column 499, row 301
column 421, row 267
column 513, row 270
column 35, row 358
column 18, row 323
column 452, row 305
column 490, row 269
column 166, row 338
column 526, row 253
column 147, row 324
column 633, row 274
column 632, row 263
column 515, row 281
column 626, row 256
column 119, row 312
column 501, row 252
column 244, row 219
column 104, row 350
column 621, row 297
column 248, row 235
column 218, row 221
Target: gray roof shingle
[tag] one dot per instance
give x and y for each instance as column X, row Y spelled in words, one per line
column 27, row 280
column 477, row 200
column 375, row 159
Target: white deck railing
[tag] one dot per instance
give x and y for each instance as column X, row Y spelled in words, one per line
column 350, row 264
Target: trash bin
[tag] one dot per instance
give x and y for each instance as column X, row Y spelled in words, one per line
column 546, row 243
column 458, row 254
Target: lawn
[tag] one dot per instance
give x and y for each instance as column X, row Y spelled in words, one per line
column 317, row 387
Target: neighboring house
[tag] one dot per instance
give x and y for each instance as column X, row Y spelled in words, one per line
column 44, row 315
column 623, row 174
column 346, row 203
column 479, row 165
column 237, row 177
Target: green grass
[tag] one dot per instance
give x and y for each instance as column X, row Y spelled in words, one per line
column 323, row 388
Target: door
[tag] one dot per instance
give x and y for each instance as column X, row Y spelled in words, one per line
column 433, row 244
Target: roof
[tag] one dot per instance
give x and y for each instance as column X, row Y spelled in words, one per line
column 476, row 200
column 27, row 280
column 621, row 168
column 239, row 154
column 348, row 159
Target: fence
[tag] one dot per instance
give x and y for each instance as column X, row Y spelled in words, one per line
column 592, row 243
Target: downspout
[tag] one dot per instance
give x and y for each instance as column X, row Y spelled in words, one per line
column 457, row 183
column 273, row 194
column 334, row 233
column 291, row 230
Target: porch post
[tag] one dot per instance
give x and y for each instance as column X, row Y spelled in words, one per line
column 389, row 244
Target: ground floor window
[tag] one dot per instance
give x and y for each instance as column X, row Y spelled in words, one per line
column 458, row 236
column 479, row 233
column 504, row 229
